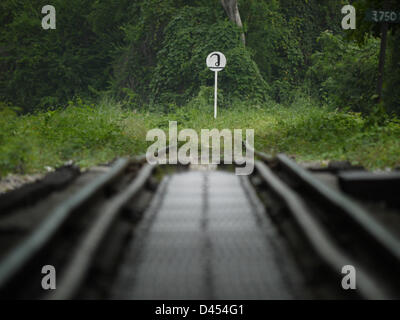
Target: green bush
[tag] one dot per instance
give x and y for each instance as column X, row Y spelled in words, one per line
column 344, row 74
column 181, row 70
column 82, row 132
column 42, row 68
column 282, row 33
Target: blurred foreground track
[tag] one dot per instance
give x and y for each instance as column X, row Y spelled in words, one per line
column 206, row 237
column 140, row 231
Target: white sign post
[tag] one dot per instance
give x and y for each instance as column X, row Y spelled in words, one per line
column 216, row 62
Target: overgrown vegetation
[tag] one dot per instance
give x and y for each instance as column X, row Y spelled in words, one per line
column 84, row 133
column 347, row 73
column 153, row 51
column 306, row 86
column 93, row 134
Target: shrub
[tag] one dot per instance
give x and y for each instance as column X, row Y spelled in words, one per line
column 344, row 74
column 189, row 37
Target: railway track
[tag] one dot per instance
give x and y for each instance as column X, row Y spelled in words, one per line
column 72, row 231
column 88, row 225
column 337, row 228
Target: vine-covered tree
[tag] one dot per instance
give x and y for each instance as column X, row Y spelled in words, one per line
column 232, row 10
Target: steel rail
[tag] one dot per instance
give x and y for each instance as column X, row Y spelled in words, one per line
column 38, row 238
column 264, row 156
column 79, row 264
column 318, row 236
column 372, row 227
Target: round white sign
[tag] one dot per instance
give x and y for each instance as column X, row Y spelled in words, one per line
column 216, row 61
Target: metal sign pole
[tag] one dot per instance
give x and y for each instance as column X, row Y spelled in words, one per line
column 216, row 61
column 215, row 94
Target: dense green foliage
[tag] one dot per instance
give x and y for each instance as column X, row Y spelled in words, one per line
column 41, row 68
column 347, row 73
column 148, row 56
column 153, row 51
column 282, row 34
column 180, row 70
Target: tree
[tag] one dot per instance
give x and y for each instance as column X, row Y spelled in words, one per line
column 232, row 10
column 377, row 29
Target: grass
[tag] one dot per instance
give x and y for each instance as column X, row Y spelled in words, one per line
column 93, row 134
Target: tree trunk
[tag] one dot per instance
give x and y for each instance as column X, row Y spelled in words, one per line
column 232, row 10
column 382, row 55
